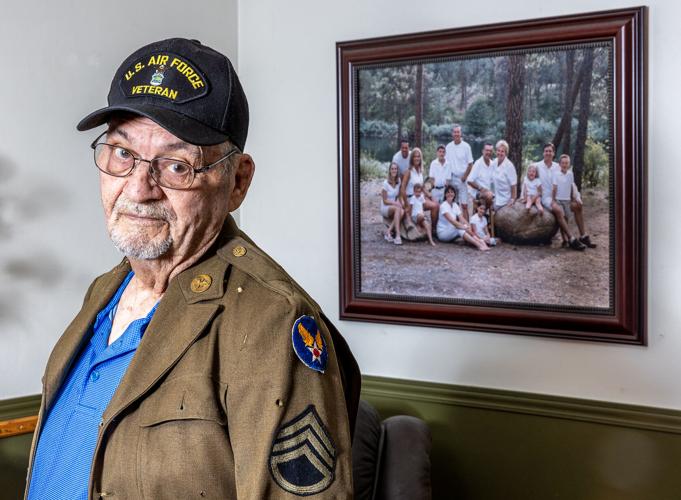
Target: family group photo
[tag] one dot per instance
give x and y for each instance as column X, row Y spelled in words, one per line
column 488, row 179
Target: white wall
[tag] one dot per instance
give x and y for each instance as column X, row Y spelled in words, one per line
column 287, row 64
column 57, row 62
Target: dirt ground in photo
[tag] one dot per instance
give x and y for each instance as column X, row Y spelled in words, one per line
column 545, row 274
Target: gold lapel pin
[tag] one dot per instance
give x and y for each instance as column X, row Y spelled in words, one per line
column 201, row 283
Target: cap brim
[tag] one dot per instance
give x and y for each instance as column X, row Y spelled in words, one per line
column 187, row 129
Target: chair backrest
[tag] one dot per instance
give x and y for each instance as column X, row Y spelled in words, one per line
column 367, row 446
column 391, row 458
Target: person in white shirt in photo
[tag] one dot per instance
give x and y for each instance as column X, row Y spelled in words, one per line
column 547, row 169
column 479, row 226
column 565, row 197
column 480, row 178
column 532, row 189
column 451, row 225
column 504, row 178
column 460, row 158
column 414, row 175
column 417, row 203
column 401, row 158
column 391, row 206
column 440, row 171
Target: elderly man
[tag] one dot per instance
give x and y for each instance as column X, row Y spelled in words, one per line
column 460, row 157
column 196, row 367
column 480, row 179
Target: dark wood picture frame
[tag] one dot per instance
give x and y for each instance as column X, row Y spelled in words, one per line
column 625, row 321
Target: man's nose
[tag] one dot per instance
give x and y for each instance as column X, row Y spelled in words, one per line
column 140, row 185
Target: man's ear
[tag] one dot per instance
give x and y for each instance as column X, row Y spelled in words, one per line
column 243, row 174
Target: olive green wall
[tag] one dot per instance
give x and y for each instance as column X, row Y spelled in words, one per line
column 492, row 444
column 14, row 451
column 503, row 445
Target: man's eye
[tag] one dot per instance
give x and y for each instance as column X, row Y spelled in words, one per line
column 177, row 168
column 122, row 154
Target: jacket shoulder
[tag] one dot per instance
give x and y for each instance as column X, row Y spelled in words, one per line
column 243, row 254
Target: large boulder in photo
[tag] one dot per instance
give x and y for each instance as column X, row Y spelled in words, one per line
column 408, row 230
column 516, row 225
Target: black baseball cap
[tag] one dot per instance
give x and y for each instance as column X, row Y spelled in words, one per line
column 187, row 88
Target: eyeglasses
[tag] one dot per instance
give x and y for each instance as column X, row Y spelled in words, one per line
column 166, row 172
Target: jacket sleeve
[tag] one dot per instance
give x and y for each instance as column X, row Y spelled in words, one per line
column 286, row 408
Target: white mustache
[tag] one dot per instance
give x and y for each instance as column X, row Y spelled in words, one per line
column 153, row 209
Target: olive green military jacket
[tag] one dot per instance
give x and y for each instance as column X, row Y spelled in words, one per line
column 216, row 403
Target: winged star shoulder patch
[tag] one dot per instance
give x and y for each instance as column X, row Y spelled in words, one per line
column 303, row 456
column 309, row 344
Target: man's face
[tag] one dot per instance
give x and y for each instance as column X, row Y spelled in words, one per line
column 404, row 148
column 146, row 221
column 487, row 152
column 564, row 164
column 548, row 154
column 456, row 135
column 441, row 154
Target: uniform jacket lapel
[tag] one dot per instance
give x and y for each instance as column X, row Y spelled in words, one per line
column 180, row 318
column 76, row 333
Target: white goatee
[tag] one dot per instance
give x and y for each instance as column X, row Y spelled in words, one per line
column 139, row 244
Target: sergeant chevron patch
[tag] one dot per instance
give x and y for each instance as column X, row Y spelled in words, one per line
column 303, row 456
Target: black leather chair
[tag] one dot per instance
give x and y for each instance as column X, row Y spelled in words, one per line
column 390, row 458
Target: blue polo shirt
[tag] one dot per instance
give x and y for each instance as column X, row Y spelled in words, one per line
column 61, row 468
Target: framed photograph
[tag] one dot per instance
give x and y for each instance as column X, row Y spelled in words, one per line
column 493, row 178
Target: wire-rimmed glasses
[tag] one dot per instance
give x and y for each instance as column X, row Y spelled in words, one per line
column 167, row 172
